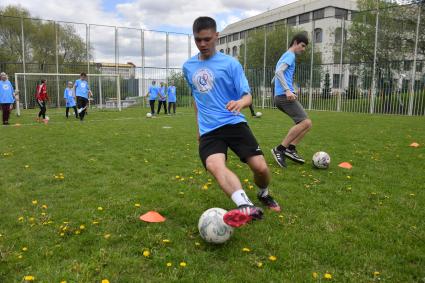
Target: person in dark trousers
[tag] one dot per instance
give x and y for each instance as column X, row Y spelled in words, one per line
column 162, row 99
column 152, row 94
column 220, row 91
column 42, row 98
column 7, row 97
column 82, row 92
column 68, row 95
column 172, row 99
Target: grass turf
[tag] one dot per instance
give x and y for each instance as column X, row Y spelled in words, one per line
column 359, row 225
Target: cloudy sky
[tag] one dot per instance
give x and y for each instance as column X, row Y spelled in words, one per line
column 165, row 15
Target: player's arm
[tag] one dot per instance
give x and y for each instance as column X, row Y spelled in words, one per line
column 196, row 115
column 237, row 105
column 279, row 74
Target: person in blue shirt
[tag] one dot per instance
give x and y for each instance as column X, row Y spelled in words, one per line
column 162, row 99
column 286, row 101
column 172, row 99
column 68, row 95
column 220, row 91
column 152, row 94
column 7, row 97
column 82, row 92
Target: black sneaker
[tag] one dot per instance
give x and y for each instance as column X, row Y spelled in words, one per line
column 279, row 156
column 242, row 215
column 293, row 155
column 269, row 202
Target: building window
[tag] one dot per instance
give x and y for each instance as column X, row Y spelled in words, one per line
column 222, row 50
column 235, row 51
column 335, row 81
column 292, row 21
column 419, row 66
column 270, row 27
column 319, row 14
column 338, row 35
column 318, row 35
column 229, row 38
column 341, row 13
column 222, row 40
column 243, row 34
column 227, row 51
column 304, row 18
column 407, row 65
column 236, row 36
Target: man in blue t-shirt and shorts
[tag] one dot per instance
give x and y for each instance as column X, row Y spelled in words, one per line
column 220, row 91
column 286, row 101
column 82, row 92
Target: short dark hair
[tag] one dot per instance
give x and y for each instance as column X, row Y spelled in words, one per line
column 202, row 23
column 43, row 81
column 299, row 37
column 83, row 74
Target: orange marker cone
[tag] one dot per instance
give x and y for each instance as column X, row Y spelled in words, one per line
column 152, row 216
column 345, row 165
column 414, row 144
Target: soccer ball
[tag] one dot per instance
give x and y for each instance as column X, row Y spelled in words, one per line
column 149, row 115
column 321, row 160
column 47, row 118
column 212, row 227
column 258, row 114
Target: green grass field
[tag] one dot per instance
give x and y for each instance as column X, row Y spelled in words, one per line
column 361, row 225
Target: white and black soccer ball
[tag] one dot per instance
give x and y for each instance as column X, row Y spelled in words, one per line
column 321, row 160
column 149, row 115
column 212, row 227
column 47, row 118
column 258, row 114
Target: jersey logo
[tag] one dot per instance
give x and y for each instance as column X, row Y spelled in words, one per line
column 83, row 85
column 5, row 87
column 203, row 80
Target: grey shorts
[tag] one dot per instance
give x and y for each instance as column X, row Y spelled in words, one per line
column 293, row 109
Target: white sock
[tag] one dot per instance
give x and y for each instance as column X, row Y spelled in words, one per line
column 263, row 192
column 240, row 198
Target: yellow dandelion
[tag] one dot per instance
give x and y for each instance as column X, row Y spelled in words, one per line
column 182, row 179
column 105, row 281
column 95, row 222
column 63, row 281
column 82, row 227
column 27, row 166
column 56, row 177
column 327, row 276
column 197, row 244
column 205, row 187
column 107, row 236
column 146, row 253
column 29, row 278
column 181, row 193
column 315, row 275
column 166, row 241
column 191, row 177
column 77, row 232
column 259, row 264
column 62, row 234
column 209, row 180
column 348, row 177
column 412, row 195
column 137, row 204
column 43, row 214
column 250, row 187
column 99, row 208
column 20, row 256
column 61, row 177
column 169, row 264
column 281, row 216
column 246, row 250
column 21, row 218
column 24, row 249
column 272, row 258
column 31, row 219
column 245, row 180
column 34, row 202
column 177, row 177
column 376, row 273
column 183, row 264
column 44, row 206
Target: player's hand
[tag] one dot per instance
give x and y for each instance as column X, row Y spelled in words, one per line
column 234, row 106
column 290, row 96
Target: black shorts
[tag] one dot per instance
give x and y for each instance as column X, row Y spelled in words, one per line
column 238, row 137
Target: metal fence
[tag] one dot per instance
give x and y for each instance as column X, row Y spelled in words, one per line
column 382, row 72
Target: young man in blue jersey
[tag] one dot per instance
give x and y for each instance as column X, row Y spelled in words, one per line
column 286, row 101
column 68, row 95
column 152, row 94
column 7, row 97
column 220, row 91
column 172, row 99
column 82, row 92
column 162, row 99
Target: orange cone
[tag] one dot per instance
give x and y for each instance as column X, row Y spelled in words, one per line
column 345, row 165
column 414, row 144
column 152, row 216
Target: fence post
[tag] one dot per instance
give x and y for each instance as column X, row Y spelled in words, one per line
column 412, row 85
column 57, row 62
column 100, row 93
column 287, row 36
column 142, row 50
column 116, row 51
column 310, row 94
column 373, row 88
column 189, row 51
column 167, row 57
column 88, row 47
column 341, row 58
column 244, row 51
column 264, row 68
column 23, row 62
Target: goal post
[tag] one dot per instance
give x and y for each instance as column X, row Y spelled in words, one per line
column 106, row 89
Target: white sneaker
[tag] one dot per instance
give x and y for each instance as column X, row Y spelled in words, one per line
column 80, row 110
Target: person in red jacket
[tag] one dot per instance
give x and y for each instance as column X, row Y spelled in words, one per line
column 41, row 98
